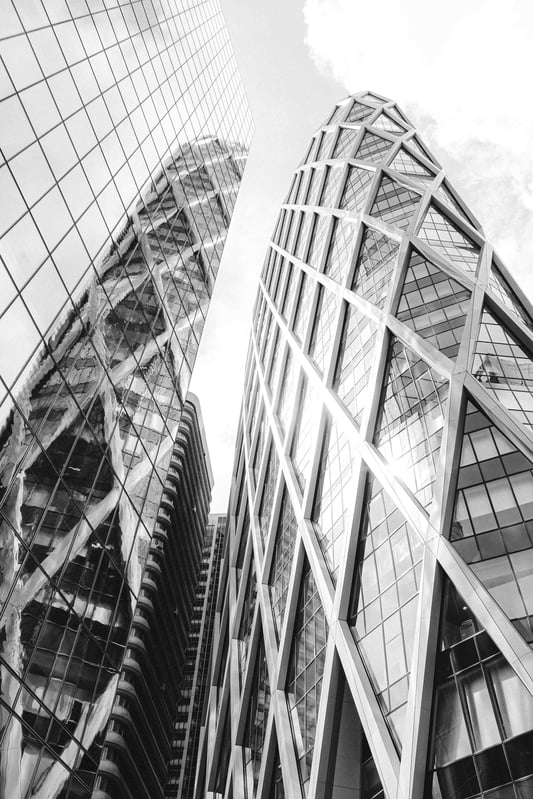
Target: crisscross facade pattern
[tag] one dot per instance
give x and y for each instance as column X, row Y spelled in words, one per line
column 405, row 489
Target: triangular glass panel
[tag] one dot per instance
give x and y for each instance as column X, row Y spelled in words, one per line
column 302, row 242
column 269, row 485
column 318, row 237
column 376, row 261
column 303, row 306
column 332, row 500
column 306, row 665
column 345, row 145
column 338, row 114
column 409, row 430
column 356, row 189
column 274, row 354
column 407, row 165
column 481, row 742
column 372, row 148
column 504, row 368
column 384, row 601
column 433, row 305
column 341, row 249
column 385, row 122
column 331, row 187
column 288, row 391
column 260, row 444
column 290, row 291
column 324, row 328
column 356, row 355
column 256, row 721
column 359, row 112
column 492, row 526
column 415, row 145
column 302, row 443
column 315, row 186
column 398, row 115
column 445, row 194
column 280, row 570
column 499, row 286
column 324, row 151
column 394, row 203
column 443, row 235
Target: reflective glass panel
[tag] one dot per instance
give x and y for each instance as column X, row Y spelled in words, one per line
column 302, row 443
column 433, row 305
column 394, row 203
column 333, row 499
column 385, row 600
column 308, row 651
column 341, row 249
column 377, row 259
column 493, row 516
column 356, row 189
column 356, row 355
column 372, row 148
column 324, row 327
column 505, row 368
column 282, row 560
column 409, row 431
column 482, row 744
column 441, row 234
column 503, row 291
column 345, row 146
column 408, row 165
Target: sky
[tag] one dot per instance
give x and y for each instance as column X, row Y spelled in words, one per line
column 459, row 70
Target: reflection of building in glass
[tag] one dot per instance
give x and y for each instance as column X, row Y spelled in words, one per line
column 376, row 620
column 195, row 684
column 137, row 751
column 85, row 457
column 124, row 135
column 93, row 104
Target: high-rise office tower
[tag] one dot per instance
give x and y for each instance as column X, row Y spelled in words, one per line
column 154, row 685
column 376, row 618
column 195, row 684
column 124, row 135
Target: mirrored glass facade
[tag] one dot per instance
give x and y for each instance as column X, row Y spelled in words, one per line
column 124, row 137
column 382, row 492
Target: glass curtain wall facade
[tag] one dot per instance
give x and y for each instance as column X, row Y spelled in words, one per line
column 375, row 619
column 124, row 136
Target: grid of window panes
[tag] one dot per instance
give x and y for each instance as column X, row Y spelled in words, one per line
column 124, row 137
column 370, row 314
column 482, row 736
column 282, row 560
column 385, row 601
column 305, row 670
column 93, row 102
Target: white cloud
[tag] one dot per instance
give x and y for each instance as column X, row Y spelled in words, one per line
column 461, row 73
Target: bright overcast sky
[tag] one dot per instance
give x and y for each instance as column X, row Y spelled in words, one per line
column 461, row 71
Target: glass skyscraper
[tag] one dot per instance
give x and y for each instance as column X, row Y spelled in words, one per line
column 124, row 135
column 376, row 618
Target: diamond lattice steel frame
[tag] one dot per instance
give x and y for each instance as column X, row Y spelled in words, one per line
column 380, row 553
